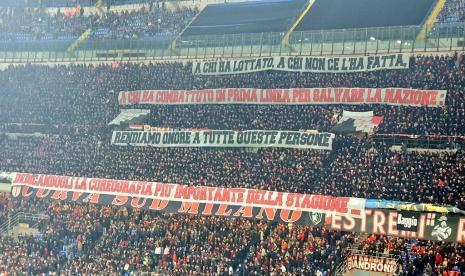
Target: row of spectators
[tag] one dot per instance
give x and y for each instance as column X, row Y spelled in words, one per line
column 453, row 12
column 29, row 24
column 358, row 168
column 87, row 95
column 86, row 239
column 418, row 257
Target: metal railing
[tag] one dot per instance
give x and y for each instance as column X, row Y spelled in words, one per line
column 15, row 219
column 341, row 269
column 403, row 39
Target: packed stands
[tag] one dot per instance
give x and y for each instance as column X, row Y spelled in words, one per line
column 93, row 239
column 143, row 23
column 453, row 12
column 30, row 24
column 88, row 239
column 419, row 257
column 88, row 95
column 412, row 177
column 25, row 24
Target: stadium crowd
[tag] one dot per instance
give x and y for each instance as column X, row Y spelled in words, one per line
column 80, row 95
column 418, row 257
column 78, row 101
column 355, row 167
column 35, row 24
column 453, row 12
column 89, row 239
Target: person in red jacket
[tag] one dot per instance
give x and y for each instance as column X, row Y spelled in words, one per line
column 439, row 258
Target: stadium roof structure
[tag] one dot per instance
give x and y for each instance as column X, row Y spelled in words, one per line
column 246, row 17
column 353, row 14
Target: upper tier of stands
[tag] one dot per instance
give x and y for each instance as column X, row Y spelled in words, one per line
column 80, row 95
column 26, row 24
column 343, row 14
column 453, row 12
column 247, row 17
column 156, row 26
column 67, row 3
column 86, row 239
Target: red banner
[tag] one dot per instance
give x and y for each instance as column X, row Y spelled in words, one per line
column 190, row 195
column 336, row 213
column 291, row 96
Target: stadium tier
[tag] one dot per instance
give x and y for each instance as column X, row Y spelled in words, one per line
column 453, row 12
column 89, row 95
column 57, row 123
column 20, row 25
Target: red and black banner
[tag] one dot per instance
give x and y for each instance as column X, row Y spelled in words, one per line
column 336, row 213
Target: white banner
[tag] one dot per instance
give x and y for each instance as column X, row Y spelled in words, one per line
column 290, row 96
column 316, row 64
column 225, row 138
column 127, row 116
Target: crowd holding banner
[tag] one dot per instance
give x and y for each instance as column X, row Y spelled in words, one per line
column 290, row 96
column 190, row 197
column 337, row 213
column 225, row 138
column 313, row 64
column 371, row 263
column 360, row 167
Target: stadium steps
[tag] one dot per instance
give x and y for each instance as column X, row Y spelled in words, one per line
column 173, row 44
column 21, row 223
column 429, row 23
column 341, row 269
column 83, row 37
column 285, row 41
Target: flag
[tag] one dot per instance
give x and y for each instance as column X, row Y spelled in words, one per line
column 130, row 116
column 352, row 122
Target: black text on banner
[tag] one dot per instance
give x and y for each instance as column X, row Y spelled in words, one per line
column 225, row 138
column 313, row 64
